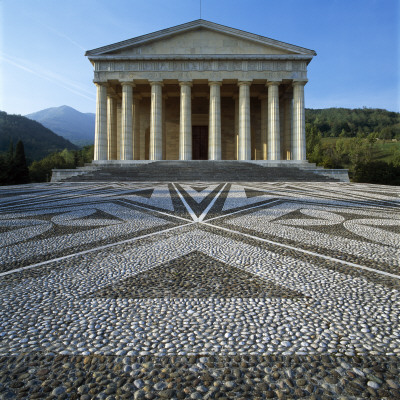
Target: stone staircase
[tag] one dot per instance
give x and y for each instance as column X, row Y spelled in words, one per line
column 212, row 171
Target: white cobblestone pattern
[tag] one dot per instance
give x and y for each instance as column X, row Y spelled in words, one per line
column 100, row 236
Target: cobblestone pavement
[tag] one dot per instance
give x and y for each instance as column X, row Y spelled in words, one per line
column 199, row 290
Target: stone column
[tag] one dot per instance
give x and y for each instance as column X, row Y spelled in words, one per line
column 136, row 126
column 264, row 126
column 112, row 127
column 142, row 139
column 236, row 136
column 164, row 127
column 119, row 127
column 126, row 119
column 214, row 134
column 100, row 135
column 299, row 122
column 287, row 126
column 274, row 149
column 281, row 128
column 185, row 125
column 244, row 121
column 155, row 150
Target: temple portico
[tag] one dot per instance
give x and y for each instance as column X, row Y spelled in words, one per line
column 200, row 91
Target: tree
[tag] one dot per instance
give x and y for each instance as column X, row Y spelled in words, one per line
column 396, row 158
column 342, row 150
column 3, row 170
column 360, row 151
column 10, row 152
column 372, row 138
column 386, row 133
column 13, row 166
column 349, row 123
column 313, row 143
column 377, row 172
column 9, row 177
column 21, row 172
column 40, row 171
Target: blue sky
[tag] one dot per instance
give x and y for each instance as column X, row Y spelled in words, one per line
column 42, row 45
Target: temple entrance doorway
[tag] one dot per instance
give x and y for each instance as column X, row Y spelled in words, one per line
column 200, row 143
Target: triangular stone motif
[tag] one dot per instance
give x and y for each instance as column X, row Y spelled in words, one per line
column 309, row 217
column 195, row 275
column 199, row 188
column 250, row 193
column 294, row 214
column 238, row 197
column 147, row 193
column 198, row 194
column 159, row 197
column 199, row 201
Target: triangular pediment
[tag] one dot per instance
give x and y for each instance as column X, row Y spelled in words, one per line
column 201, row 41
column 199, row 38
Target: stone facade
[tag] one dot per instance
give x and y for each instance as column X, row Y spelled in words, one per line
column 200, row 91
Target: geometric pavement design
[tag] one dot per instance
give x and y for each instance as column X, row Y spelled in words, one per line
column 151, row 259
column 194, row 275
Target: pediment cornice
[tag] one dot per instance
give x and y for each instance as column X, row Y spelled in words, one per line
column 205, row 57
column 200, row 23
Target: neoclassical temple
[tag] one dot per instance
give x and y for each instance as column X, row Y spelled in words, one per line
column 200, row 91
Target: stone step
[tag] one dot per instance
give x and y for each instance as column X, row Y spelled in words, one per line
column 170, row 171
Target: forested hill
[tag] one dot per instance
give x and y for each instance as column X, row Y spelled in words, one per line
column 38, row 140
column 346, row 122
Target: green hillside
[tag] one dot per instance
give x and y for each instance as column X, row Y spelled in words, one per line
column 361, row 122
column 382, row 150
column 365, row 141
column 38, row 140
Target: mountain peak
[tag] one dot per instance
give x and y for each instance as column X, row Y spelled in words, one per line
column 67, row 122
column 64, row 107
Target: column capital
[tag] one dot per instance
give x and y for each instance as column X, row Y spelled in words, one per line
column 128, row 83
column 100, row 83
column 211, row 83
column 301, row 82
column 273, row 83
column 156, row 83
column 244, row 83
column 186, row 83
